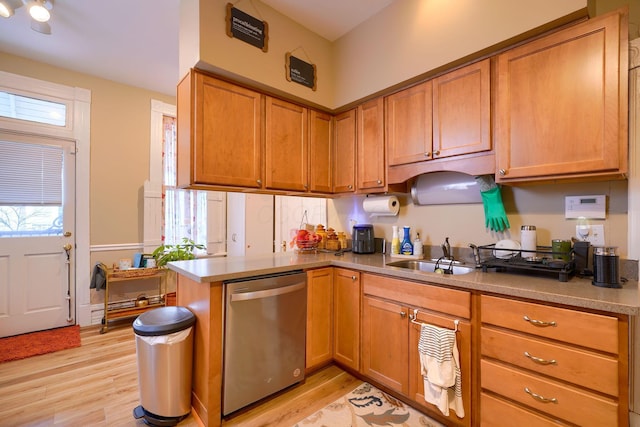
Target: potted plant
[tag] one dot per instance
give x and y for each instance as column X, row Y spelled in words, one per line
column 182, row 251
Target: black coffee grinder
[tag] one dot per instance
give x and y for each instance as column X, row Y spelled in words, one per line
column 606, row 267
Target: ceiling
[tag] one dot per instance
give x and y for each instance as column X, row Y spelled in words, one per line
column 136, row 42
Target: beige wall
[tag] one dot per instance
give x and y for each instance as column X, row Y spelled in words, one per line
column 412, row 37
column 540, row 205
column 120, row 132
column 212, row 49
column 408, row 38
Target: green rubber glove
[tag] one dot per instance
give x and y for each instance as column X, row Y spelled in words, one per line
column 494, row 214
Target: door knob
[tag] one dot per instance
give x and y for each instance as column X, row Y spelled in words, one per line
column 67, row 234
column 67, row 247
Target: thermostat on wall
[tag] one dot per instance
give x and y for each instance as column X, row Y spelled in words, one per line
column 590, row 207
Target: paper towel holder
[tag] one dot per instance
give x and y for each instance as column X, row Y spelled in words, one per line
column 392, row 207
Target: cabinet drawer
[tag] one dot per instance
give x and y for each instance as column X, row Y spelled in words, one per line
column 495, row 411
column 569, row 364
column 571, row 403
column 586, row 329
column 449, row 301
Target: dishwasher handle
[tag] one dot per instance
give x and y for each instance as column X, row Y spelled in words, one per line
column 246, row 296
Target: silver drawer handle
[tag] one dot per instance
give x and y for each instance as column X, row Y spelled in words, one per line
column 539, row 360
column 540, row 398
column 539, row 323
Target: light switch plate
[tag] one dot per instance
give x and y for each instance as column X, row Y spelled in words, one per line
column 591, row 233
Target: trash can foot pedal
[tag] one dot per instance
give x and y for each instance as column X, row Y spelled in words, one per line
column 156, row 420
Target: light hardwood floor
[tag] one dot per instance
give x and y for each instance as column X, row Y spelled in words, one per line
column 97, row 385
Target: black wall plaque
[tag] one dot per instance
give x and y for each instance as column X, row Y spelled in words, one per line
column 247, row 28
column 300, row 71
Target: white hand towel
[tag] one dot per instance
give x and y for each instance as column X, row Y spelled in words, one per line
column 440, row 364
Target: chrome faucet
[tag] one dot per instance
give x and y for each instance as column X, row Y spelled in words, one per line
column 446, row 249
column 476, row 255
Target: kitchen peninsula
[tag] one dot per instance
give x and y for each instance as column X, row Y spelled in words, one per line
column 589, row 327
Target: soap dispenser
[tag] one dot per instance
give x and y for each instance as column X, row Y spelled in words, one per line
column 395, row 241
column 417, row 246
column 406, row 247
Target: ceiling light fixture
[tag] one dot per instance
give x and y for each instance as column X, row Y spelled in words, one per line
column 39, row 10
column 8, row 7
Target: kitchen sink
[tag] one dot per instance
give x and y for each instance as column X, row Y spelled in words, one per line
column 444, row 267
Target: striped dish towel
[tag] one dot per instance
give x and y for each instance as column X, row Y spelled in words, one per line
column 440, row 364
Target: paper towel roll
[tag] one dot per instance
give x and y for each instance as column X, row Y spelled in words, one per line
column 381, row 206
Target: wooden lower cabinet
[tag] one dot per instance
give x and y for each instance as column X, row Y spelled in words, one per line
column 390, row 338
column 385, row 334
column 346, row 327
column 319, row 318
column 550, row 365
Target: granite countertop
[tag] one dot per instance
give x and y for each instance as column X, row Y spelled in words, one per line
column 577, row 292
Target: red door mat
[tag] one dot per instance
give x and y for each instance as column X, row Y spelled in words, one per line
column 42, row 342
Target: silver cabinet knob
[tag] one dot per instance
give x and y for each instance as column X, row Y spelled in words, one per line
column 353, row 277
column 502, row 172
column 403, row 314
column 259, row 181
column 379, row 182
column 350, row 187
column 436, row 153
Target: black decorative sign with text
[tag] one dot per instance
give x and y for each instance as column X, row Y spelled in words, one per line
column 245, row 27
column 300, row 71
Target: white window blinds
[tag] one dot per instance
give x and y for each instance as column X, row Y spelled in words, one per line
column 30, row 174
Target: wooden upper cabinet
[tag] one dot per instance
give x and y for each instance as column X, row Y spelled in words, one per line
column 462, row 111
column 562, row 104
column 219, row 133
column 286, row 146
column 409, row 124
column 372, row 167
column 344, row 159
column 320, row 152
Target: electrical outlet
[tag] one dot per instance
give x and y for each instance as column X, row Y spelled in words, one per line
column 591, row 233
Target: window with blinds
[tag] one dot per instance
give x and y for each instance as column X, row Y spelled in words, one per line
column 31, row 193
column 33, row 110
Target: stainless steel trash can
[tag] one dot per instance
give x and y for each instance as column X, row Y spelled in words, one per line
column 164, row 348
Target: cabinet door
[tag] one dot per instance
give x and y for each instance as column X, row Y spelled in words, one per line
column 385, row 342
column 321, row 156
column 562, row 104
column 226, row 132
column 416, row 381
column 319, row 317
column 344, row 160
column 286, row 146
column 372, row 167
column 461, row 111
column 346, row 303
column 409, row 123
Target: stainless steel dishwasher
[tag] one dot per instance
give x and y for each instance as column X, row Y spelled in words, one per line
column 264, row 337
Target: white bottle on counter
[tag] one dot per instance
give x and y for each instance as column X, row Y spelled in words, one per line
column 417, row 246
column 528, row 241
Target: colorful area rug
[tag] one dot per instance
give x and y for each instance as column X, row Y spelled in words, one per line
column 42, row 342
column 367, row 406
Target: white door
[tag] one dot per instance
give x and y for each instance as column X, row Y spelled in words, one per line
column 37, row 193
column 249, row 224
